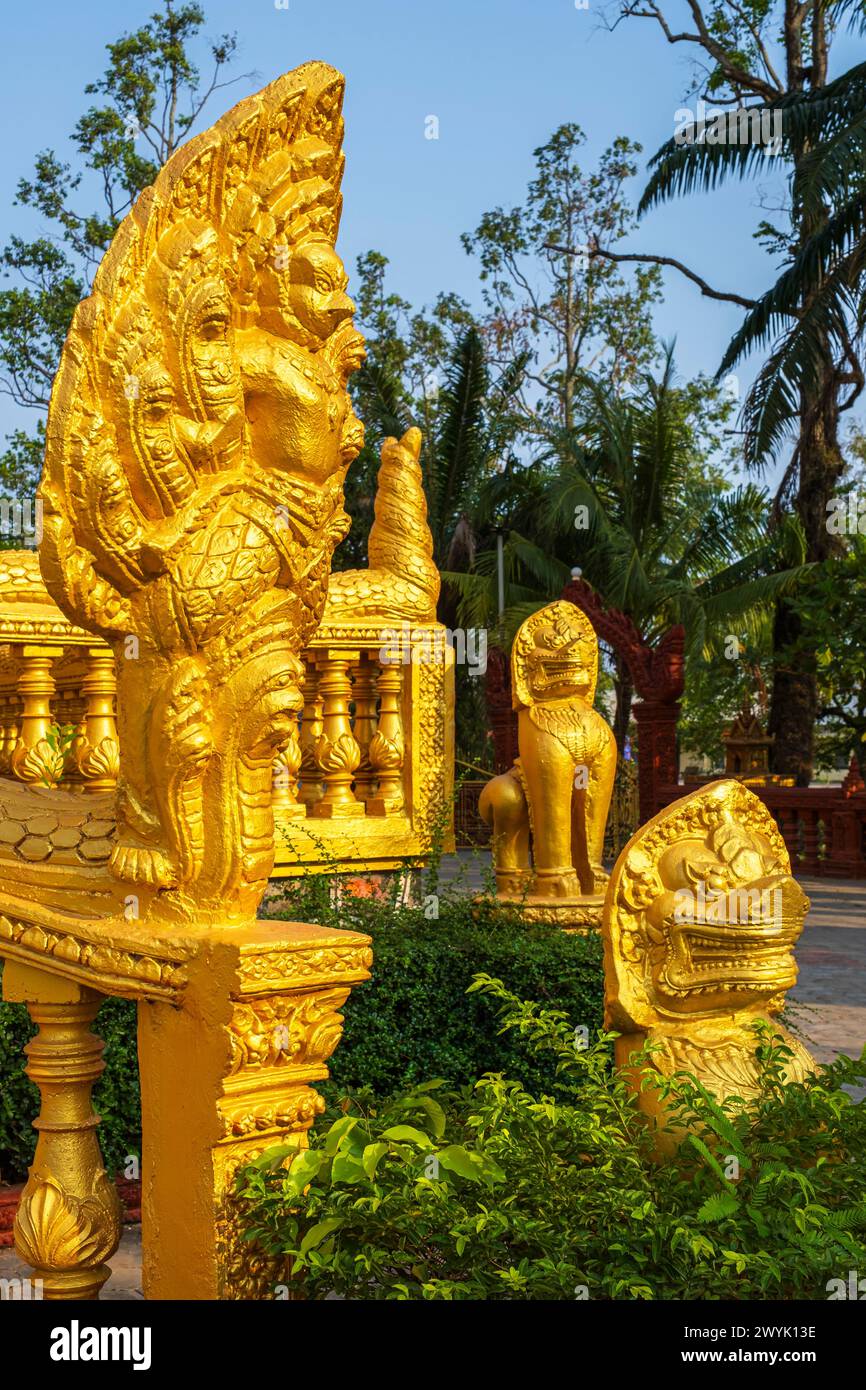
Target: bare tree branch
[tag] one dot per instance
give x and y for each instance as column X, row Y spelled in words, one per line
column 705, row 289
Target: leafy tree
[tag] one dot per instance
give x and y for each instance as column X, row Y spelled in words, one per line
column 718, row 685
column 774, row 59
column 833, row 617
column 656, row 530
column 147, row 102
column 546, row 302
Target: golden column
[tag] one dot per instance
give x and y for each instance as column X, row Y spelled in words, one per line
column 337, row 751
column 69, row 1219
column 97, row 754
column 364, row 724
column 387, row 746
column 34, row 759
column 311, row 731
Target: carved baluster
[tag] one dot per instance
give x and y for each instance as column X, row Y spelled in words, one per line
column 286, row 768
column 387, row 746
column 364, row 726
column 34, row 758
column 5, row 750
column 68, row 1221
column 11, row 730
column 311, row 730
column 97, row 751
column 337, row 751
column 69, row 709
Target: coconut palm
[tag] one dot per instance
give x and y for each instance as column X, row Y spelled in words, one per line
column 656, row 538
column 808, row 323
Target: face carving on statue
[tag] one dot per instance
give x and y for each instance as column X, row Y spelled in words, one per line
column 303, row 293
column 557, row 664
column 711, row 917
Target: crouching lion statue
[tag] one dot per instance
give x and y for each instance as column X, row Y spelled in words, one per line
column 558, row 792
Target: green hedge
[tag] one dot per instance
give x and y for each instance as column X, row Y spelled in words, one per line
column 116, row 1094
column 413, row 1020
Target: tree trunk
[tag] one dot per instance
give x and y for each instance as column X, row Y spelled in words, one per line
column 794, row 704
column 622, row 713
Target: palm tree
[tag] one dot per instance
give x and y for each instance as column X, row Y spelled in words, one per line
column 808, row 323
column 466, row 427
column 658, row 540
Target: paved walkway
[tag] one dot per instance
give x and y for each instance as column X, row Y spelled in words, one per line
column 830, row 999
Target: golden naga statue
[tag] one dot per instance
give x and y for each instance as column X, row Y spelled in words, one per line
column 199, row 434
column 558, row 792
column 198, row 438
column 700, row 923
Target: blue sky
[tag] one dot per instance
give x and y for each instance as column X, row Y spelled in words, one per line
column 500, row 75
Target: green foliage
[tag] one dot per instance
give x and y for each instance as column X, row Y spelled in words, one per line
column 151, row 95
column 495, row 1192
column 833, row 618
column 414, row 1019
column 546, row 299
column 115, row 1097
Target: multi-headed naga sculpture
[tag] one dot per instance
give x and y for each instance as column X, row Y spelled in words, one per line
column 700, row 923
column 198, row 438
column 199, row 434
column 558, row 793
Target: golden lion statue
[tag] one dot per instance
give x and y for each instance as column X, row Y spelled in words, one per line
column 559, row 790
column 700, row 922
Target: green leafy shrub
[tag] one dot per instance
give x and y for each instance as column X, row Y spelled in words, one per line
column 116, row 1095
column 412, row 1020
column 494, row 1193
column 415, row 1019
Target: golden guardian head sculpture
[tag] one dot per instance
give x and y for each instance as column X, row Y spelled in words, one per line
column 199, row 433
column 558, row 793
column 701, row 918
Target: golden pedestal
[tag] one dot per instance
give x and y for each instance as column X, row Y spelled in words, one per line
column 235, row 1026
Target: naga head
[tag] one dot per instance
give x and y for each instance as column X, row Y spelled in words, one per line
column 702, row 913
column 554, row 657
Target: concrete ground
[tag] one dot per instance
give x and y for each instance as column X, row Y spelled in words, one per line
column 830, row 996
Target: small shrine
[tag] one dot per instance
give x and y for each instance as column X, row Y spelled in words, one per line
column 747, row 748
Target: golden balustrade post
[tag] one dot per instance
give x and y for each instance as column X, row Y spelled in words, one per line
column 364, row 725
column 287, row 765
column 33, row 758
column 7, row 740
column 337, row 751
column 68, row 1221
column 260, row 1018
column 311, row 788
column 387, row 746
column 97, row 753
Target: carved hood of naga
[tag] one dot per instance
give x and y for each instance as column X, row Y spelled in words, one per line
column 198, row 438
